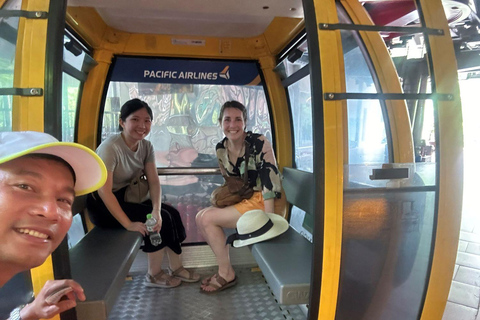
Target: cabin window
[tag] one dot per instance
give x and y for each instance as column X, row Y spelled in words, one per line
column 8, row 41
column 185, row 128
column 295, row 75
column 76, row 64
column 367, row 134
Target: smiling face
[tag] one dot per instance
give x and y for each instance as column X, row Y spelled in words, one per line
column 36, row 197
column 233, row 124
column 137, row 125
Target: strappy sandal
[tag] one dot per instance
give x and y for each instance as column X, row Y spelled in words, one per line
column 192, row 276
column 207, row 280
column 161, row 280
column 220, row 285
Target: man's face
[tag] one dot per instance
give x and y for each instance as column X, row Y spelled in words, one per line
column 36, row 197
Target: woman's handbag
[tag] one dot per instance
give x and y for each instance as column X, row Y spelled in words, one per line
column 234, row 189
column 137, row 190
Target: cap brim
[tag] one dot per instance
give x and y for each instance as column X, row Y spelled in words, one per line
column 90, row 170
column 280, row 225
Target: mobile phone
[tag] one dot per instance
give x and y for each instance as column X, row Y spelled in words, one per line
column 57, row 295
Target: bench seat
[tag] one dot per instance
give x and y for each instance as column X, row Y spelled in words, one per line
column 100, row 263
column 285, row 262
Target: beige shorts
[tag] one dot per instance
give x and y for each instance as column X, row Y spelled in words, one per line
column 255, row 202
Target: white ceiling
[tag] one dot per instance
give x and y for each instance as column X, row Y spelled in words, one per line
column 218, row 18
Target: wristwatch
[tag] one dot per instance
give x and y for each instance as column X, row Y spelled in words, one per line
column 15, row 314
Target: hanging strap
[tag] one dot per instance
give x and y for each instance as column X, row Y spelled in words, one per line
column 247, row 155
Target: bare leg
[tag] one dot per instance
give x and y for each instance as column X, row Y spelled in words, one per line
column 210, row 222
column 155, row 261
column 174, row 260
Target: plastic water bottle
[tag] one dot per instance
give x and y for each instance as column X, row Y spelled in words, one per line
column 155, row 237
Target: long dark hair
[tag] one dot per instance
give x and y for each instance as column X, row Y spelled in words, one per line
column 130, row 107
column 235, row 105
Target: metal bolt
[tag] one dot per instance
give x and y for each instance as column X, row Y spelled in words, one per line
column 331, row 96
column 325, row 25
column 34, row 92
column 450, row 97
column 38, row 14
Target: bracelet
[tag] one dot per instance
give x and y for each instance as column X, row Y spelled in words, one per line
column 15, row 314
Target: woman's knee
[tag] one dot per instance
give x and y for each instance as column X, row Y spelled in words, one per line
column 204, row 217
column 199, row 217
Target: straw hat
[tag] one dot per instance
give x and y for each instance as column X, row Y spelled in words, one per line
column 256, row 226
column 89, row 169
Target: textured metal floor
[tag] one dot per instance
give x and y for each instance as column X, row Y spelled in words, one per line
column 249, row 299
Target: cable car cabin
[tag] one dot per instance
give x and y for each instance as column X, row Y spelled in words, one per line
column 359, row 99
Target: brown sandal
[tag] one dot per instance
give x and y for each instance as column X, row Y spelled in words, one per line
column 192, row 276
column 220, row 285
column 161, row 280
column 207, row 280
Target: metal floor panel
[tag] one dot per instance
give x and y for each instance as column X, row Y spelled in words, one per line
column 199, row 257
column 249, row 299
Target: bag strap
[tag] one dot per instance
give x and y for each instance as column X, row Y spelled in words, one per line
column 247, row 156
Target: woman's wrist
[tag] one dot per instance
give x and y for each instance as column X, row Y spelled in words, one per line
column 24, row 313
column 127, row 224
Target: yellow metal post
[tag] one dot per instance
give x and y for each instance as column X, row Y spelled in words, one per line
column 333, row 80
column 280, row 113
column 27, row 113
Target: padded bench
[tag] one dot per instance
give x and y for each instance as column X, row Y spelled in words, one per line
column 100, row 262
column 286, row 260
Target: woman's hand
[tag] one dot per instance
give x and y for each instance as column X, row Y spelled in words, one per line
column 156, row 214
column 55, row 297
column 137, row 226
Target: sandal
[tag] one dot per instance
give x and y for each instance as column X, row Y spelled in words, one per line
column 161, row 280
column 218, row 283
column 207, row 280
column 192, row 276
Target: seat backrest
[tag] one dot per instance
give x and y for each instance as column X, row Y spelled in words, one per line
column 298, row 186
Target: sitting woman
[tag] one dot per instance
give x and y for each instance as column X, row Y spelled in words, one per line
column 127, row 155
column 263, row 176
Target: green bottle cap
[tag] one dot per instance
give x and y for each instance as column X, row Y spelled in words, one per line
column 149, row 216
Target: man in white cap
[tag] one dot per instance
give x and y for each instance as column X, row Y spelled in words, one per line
column 39, row 179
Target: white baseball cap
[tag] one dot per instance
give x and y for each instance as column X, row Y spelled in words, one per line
column 257, row 226
column 89, row 169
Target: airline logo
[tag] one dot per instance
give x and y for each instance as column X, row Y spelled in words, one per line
column 225, row 74
column 187, row 75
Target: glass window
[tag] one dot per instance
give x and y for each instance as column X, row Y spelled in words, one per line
column 367, row 138
column 387, row 223
column 301, row 106
column 185, row 127
column 70, row 92
column 8, row 41
column 76, row 65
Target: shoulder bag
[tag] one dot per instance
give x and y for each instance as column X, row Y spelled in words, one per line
column 137, row 190
column 234, row 190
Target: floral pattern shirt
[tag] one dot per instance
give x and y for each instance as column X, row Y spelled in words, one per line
column 263, row 173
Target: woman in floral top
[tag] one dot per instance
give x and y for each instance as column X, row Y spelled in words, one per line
column 263, row 176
